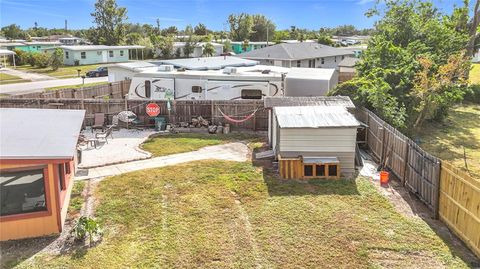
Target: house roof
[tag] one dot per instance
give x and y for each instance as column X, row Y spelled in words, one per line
column 349, row 62
column 270, row 102
column 197, row 45
column 295, row 51
column 208, row 63
column 33, row 43
column 314, row 117
column 6, row 52
column 39, row 133
column 99, row 47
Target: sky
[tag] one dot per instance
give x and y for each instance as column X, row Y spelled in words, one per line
column 310, row 14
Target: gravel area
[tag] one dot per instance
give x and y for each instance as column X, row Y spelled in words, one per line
column 124, row 147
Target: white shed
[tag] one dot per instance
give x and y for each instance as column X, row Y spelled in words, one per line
column 316, row 141
column 310, row 81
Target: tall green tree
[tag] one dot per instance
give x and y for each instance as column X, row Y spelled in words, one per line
column 13, row 31
column 407, row 31
column 164, row 45
column 201, row 29
column 259, row 29
column 190, row 45
column 227, row 46
column 110, row 22
column 240, row 26
column 56, row 59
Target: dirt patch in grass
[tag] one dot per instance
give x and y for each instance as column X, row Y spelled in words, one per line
column 214, row 214
column 184, row 142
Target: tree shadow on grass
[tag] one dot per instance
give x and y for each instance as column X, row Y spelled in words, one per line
column 13, row 252
column 456, row 246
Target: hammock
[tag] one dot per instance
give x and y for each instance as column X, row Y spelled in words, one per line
column 230, row 119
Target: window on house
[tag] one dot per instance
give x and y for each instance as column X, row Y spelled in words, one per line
column 22, row 192
column 196, row 89
column 299, row 63
column 251, row 94
column 320, row 170
column 61, row 176
column 38, row 47
column 335, row 58
column 66, row 54
column 148, row 88
column 332, row 170
column 308, row 170
column 83, row 55
column 121, row 53
column 323, row 60
column 110, row 53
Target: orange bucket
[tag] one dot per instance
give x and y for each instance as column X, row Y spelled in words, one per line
column 384, row 177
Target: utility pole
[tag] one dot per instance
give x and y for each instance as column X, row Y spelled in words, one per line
column 267, row 33
column 66, row 26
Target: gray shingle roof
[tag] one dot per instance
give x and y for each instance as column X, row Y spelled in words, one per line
column 295, row 51
column 344, row 101
column 349, row 62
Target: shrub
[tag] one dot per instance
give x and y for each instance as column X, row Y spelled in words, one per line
column 41, row 59
column 56, row 59
column 473, row 94
column 30, row 58
column 86, row 226
column 21, row 57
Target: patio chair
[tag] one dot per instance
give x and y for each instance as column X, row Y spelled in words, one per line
column 104, row 135
column 99, row 121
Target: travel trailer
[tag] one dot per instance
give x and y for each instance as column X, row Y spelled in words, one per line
column 230, row 83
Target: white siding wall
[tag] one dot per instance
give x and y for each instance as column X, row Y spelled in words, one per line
column 328, row 62
column 318, row 140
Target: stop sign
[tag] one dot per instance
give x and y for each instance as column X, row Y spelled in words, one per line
column 153, row 110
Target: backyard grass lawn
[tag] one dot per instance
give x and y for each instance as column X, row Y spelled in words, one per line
column 7, row 79
column 62, row 72
column 460, row 130
column 185, row 142
column 475, row 74
column 219, row 214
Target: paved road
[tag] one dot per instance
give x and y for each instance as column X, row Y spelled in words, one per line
column 26, row 87
column 26, row 75
column 231, row 152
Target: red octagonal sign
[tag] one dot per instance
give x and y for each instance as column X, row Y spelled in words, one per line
column 153, row 110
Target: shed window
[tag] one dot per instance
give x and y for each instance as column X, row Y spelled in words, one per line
column 323, row 60
column 148, row 88
column 332, row 170
column 22, row 192
column 308, row 170
column 251, row 94
column 66, row 54
column 83, row 55
column 196, row 89
column 320, row 170
column 121, row 53
column 61, row 176
column 110, row 53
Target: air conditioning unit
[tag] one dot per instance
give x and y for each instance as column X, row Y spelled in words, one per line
column 230, row 70
column 165, row 68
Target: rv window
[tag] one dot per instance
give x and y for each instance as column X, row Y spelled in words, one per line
column 148, row 88
column 196, row 89
column 298, row 63
column 251, row 94
column 110, row 53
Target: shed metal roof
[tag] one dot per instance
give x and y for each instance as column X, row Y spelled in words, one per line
column 314, row 117
column 295, row 51
column 208, row 63
column 344, row 101
column 39, row 133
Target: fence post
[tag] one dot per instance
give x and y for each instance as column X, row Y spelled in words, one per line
column 405, row 158
column 382, row 154
column 368, row 126
column 212, row 111
column 436, row 188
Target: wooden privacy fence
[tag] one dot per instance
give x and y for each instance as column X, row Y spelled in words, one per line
column 418, row 170
column 460, row 204
column 114, row 90
column 180, row 110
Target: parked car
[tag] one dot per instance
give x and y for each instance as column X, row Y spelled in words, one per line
column 100, row 71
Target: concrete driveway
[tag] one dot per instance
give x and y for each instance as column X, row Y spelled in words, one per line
column 27, row 87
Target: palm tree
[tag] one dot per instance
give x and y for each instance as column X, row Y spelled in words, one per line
column 208, row 49
column 245, row 44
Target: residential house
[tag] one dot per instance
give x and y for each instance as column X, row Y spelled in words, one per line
column 303, row 54
column 95, row 54
column 37, row 163
column 237, row 46
column 197, row 50
column 33, row 46
column 312, row 137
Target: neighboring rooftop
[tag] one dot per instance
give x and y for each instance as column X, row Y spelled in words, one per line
column 295, row 51
column 39, row 133
column 207, row 63
column 314, row 117
column 99, row 47
column 348, row 62
column 343, row 101
column 311, row 73
column 134, row 65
